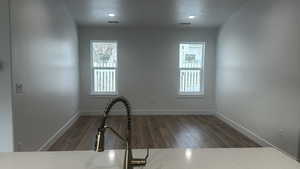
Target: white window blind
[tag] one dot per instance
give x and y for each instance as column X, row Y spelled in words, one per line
column 104, row 67
column 191, row 68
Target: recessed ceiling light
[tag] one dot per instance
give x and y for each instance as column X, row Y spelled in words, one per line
column 185, row 23
column 113, row 22
column 111, row 15
column 191, row 17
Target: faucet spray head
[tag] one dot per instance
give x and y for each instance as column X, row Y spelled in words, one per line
column 99, row 146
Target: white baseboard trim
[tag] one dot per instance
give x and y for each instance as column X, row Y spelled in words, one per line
column 59, row 133
column 250, row 134
column 147, row 112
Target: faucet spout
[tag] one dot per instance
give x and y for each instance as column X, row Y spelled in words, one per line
column 129, row 161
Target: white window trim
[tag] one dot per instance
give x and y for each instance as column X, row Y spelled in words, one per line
column 202, row 92
column 92, row 68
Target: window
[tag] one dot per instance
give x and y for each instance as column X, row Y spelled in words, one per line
column 191, row 68
column 104, row 62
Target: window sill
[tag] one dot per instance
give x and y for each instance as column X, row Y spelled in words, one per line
column 103, row 95
column 202, row 96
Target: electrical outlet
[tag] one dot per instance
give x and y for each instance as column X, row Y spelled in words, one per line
column 281, row 133
column 19, row 146
column 282, row 137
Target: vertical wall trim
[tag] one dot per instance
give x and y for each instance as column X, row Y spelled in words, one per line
column 11, row 70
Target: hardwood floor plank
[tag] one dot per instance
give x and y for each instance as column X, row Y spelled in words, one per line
column 154, row 132
column 87, row 141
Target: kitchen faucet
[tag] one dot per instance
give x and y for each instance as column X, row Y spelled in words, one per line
column 129, row 161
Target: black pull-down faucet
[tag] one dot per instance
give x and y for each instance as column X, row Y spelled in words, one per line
column 129, row 161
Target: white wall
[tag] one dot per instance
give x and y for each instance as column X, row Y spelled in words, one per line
column 148, row 61
column 45, row 61
column 258, row 71
column 6, row 126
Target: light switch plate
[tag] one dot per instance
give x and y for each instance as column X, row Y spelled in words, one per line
column 19, row 88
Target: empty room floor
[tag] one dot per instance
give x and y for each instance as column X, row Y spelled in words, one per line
column 154, row 132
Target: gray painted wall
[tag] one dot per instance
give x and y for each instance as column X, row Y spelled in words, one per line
column 45, row 61
column 148, row 62
column 258, row 72
column 6, row 126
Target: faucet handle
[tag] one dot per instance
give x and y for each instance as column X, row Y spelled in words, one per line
column 139, row 161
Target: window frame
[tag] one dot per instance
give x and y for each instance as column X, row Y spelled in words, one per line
column 92, row 69
column 202, row 72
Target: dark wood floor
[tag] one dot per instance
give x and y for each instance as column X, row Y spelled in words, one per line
column 155, row 132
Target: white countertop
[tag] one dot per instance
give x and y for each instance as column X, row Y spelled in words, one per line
column 246, row 158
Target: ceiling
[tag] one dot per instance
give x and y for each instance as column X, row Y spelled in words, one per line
column 153, row 13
